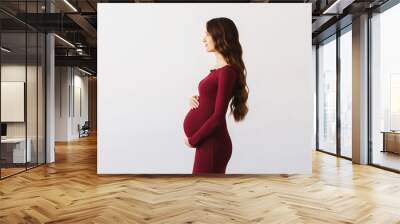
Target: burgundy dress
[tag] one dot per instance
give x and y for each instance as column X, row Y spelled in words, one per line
column 206, row 127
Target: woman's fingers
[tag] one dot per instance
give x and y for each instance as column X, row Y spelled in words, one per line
column 195, row 102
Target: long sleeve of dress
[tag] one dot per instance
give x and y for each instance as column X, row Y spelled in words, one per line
column 226, row 82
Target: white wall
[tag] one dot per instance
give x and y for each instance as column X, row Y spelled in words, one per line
column 147, row 72
column 80, row 84
column 61, row 103
column 68, row 81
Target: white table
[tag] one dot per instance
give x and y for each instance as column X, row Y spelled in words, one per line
column 19, row 149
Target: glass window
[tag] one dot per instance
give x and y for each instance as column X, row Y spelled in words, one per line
column 31, row 101
column 346, row 94
column 14, row 151
column 385, row 88
column 22, row 91
column 314, row 71
column 327, row 96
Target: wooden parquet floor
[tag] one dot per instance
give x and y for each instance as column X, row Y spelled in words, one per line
column 70, row 191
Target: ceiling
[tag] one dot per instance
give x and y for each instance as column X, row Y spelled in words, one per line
column 76, row 22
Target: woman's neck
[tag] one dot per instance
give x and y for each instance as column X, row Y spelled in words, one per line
column 221, row 62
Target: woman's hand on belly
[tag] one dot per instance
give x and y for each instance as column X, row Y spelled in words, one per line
column 194, row 102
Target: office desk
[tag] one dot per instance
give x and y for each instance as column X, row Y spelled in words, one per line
column 391, row 141
column 13, row 150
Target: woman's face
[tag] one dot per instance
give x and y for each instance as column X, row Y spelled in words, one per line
column 208, row 42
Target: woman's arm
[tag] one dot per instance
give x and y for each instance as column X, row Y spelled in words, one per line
column 226, row 82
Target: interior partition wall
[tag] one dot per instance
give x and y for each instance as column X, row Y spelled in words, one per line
column 334, row 94
column 22, row 89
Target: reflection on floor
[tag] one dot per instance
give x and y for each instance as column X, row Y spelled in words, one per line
column 70, row 191
column 11, row 169
column 386, row 159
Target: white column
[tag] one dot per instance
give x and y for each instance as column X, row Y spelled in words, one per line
column 50, row 110
column 50, row 92
column 360, row 90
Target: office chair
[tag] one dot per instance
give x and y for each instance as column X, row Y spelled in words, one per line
column 84, row 130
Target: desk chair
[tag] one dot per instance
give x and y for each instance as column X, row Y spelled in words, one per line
column 84, row 130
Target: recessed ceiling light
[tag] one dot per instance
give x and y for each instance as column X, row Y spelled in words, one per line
column 64, row 40
column 5, row 50
column 70, row 5
column 338, row 6
column 84, row 71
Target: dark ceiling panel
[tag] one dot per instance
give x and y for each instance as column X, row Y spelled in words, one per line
column 72, row 24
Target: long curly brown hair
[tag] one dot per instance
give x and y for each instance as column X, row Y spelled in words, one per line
column 225, row 35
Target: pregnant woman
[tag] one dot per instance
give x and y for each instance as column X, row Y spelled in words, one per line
column 205, row 124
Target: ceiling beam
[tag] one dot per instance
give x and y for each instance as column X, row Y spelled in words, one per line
column 337, row 7
column 84, row 61
column 86, row 26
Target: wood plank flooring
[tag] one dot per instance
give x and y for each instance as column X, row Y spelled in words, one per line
column 70, row 191
column 10, row 171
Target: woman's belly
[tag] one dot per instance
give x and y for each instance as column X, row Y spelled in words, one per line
column 194, row 120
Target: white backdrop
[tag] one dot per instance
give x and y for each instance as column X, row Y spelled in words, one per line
column 150, row 60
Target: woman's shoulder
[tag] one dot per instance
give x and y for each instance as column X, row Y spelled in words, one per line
column 228, row 70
